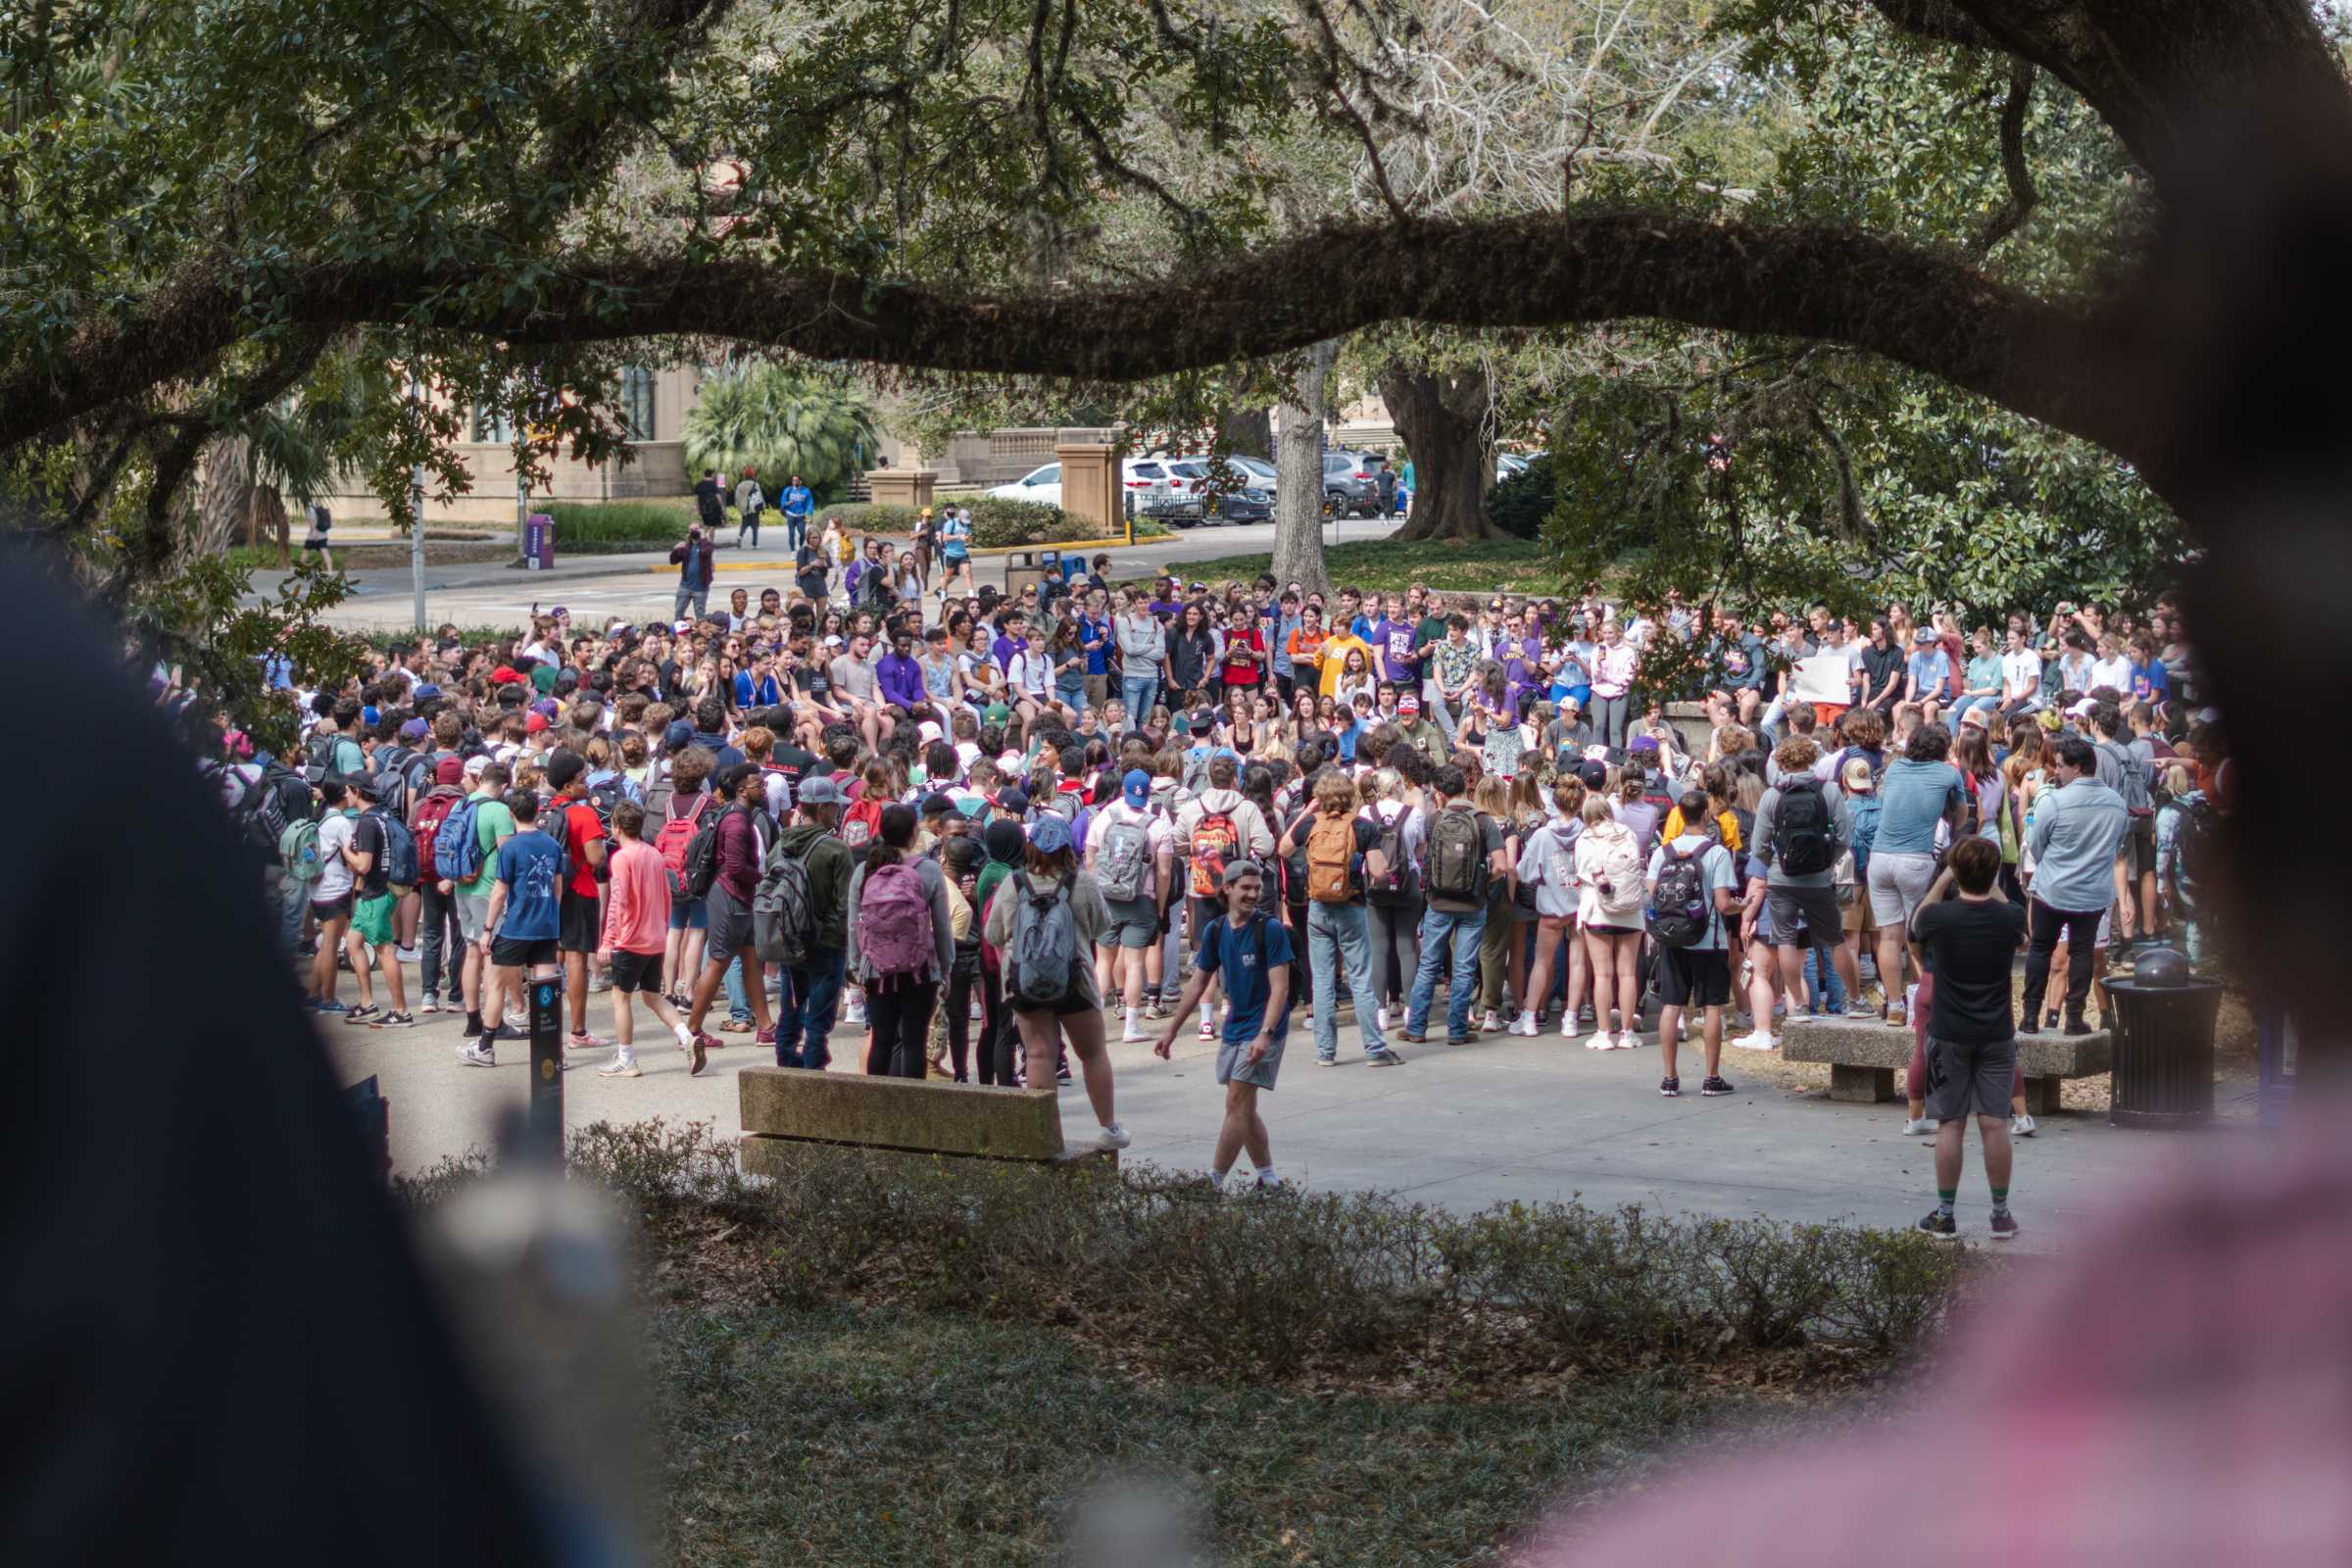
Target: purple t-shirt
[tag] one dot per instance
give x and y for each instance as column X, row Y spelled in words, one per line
column 1394, row 639
column 1004, row 648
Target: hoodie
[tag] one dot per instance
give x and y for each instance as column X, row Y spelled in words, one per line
column 1257, row 839
column 828, row 861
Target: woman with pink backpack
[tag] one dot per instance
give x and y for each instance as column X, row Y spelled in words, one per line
column 901, row 945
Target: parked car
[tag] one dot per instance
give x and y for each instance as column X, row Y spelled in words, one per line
column 1351, row 483
column 1037, row 484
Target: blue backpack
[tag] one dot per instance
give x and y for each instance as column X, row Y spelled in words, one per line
column 399, row 850
column 1865, row 808
column 458, row 849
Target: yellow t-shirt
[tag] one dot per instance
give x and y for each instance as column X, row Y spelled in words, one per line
column 1726, row 824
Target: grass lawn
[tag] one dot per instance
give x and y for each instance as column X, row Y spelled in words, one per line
column 1515, row 565
column 884, row 1437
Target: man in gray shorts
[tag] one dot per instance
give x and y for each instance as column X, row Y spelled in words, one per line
column 1129, row 847
column 1252, row 951
column 1969, row 942
column 1783, row 898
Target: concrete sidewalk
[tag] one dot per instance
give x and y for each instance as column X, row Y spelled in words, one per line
column 1506, row 1118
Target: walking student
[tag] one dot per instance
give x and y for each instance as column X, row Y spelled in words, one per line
column 1252, row 951
column 633, row 938
column 1969, row 943
column 525, row 915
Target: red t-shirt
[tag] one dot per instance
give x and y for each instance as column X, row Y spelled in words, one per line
column 1241, row 658
column 582, row 829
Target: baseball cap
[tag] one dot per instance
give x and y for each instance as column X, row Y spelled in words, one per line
column 819, row 789
column 682, row 626
column 1642, row 743
column 535, row 724
column 2083, row 708
column 1594, row 773
column 504, row 675
column 560, row 614
column 1014, row 798
column 564, row 768
column 997, row 714
column 1136, row 786
column 1924, row 636
column 547, row 708
column 1237, row 869
column 1408, row 704
column 475, row 765
column 678, row 736
column 929, row 731
column 426, row 692
column 1049, row 834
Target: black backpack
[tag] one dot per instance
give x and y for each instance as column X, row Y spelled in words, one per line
column 1803, row 841
column 1678, row 911
column 702, row 856
column 1400, row 882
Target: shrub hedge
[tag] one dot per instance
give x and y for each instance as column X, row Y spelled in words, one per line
column 1519, row 505
column 1269, row 1285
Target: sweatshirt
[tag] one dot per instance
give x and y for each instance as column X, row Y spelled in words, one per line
column 636, row 900
column 827, row 860
column 2073, row 841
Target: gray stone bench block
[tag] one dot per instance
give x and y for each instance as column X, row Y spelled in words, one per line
column 1863, row 1055
column 911, row 1115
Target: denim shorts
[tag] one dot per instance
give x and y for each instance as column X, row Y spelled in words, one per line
column 694, row 916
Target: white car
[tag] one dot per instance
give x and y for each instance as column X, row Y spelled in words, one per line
column 1037, row 484
column 1143, row 477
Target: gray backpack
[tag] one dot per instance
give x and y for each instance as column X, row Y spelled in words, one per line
column 2133, row 784
column 1043, row 958
column 1123, row 859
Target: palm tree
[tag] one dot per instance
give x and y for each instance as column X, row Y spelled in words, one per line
column 292, row 448
column 780, row 421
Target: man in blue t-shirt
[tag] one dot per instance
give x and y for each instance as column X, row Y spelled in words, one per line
column 525, row 916
column 1251, row 949
column 799, row 505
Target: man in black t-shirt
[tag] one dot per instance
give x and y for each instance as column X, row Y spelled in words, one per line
column 1970, row 944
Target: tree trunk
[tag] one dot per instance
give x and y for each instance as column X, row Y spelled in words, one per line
column 226, row 510
column 1443, row 420
column 1247, row 432
column 1299, row 475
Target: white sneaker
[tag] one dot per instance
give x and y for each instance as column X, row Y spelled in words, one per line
column 519, row 1021
column 476, row 1055
column 1629, row 1040
column 2021, row 1125
column 620, row 1068
column 404, row 954
column 1380, row 1018
column 1759, row 1040
column 1523, row 1025
column 1113, row 1136
column 1603, row 1040
column 1132, row 1035
column 1918, row 1126
column 1491, row 1023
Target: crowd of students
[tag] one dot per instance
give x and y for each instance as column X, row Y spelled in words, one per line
column 979, row 824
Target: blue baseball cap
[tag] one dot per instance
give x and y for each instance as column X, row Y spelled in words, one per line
column 1049, row 834
column 1137, row 787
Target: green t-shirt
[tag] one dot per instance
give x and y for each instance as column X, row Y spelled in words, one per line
column 1432, row 631
column 543, row 678
column 492, row 821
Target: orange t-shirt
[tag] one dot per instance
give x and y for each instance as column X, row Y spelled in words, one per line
column 637, row 900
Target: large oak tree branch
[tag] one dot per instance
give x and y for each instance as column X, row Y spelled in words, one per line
column 2160, row 72
column 1925, row 308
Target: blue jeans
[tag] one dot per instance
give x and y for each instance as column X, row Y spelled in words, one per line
column 795, row 529
column 1441, row 930
column 805, row 1012
column 1988, row 703
column 1337, row 933
column 293, row 899
column 1139, row 693
column 1821, row 975
column 1070, row 694
column 739, row 1003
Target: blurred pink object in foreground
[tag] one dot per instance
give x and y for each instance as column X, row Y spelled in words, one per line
column 2176, row 1389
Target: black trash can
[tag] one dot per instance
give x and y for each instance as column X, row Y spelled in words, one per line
column 2162, row 1052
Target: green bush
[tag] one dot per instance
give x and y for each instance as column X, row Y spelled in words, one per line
column 1266, row 1288
column 580, row 524
column 1519, row 505
column 999, row 522
column 872, row 517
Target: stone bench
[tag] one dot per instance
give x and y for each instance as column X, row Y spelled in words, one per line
column 785, row 1108
column 1865, row 1056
